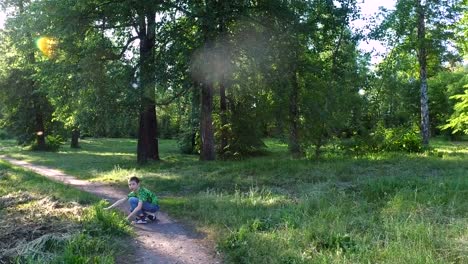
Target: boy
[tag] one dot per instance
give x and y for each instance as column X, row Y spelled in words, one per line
column 143, row 203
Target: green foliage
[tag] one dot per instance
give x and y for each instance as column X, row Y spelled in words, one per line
column 458, row 121
column 401, row 139
column 442, row 88
column 418, row 31
column 333, row 241
column 189, row 142
column 237, row 244
column 385, row 139
column 99, row 222
column 4, row 134
column 53, row 143
column 289, row 68
column 243, row 132
column 393, row 95
column 84, row 248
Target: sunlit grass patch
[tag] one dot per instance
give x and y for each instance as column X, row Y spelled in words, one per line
column 117, row 174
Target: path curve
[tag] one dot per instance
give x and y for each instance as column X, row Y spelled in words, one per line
column 164, row 242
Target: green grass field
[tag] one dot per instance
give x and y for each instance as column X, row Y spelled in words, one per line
column 375, row 208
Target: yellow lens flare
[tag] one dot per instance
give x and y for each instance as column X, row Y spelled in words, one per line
column 46, row 45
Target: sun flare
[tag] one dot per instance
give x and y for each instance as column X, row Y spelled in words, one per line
column 46, row 45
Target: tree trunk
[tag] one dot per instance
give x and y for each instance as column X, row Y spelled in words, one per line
column 40, row 133
column 206, row 123
column 75, row 138
column 317, row 148
column 207, row 151
column 224, row 59
column 195, row 115
column 422, row 57
column 147, row 142
column 223, row 109
column 147, row 147
column 294, row 146
column 38, row 119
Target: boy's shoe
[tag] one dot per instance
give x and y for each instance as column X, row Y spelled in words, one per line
column 151, row 216
column 141, row 221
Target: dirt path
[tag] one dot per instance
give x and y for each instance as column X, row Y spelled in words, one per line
column 163, row 242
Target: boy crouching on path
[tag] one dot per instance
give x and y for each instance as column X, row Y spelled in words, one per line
column 143, row 203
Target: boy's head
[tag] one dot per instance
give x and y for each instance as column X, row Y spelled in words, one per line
column 133, row 183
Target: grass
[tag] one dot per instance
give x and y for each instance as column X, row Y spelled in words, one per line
column 48, row 222
column 380, row 207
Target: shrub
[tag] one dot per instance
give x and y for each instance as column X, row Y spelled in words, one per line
column 97, row 222
column 189, row 142
column 53, row 143
column 385, row 139
column 4, row 134
column 402, row 139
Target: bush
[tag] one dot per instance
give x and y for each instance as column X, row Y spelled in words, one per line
column 189, row 142
column 402, row 139
column 4, row 134
column 243, row 135
column 385, row 139
column 98, row 222
column 53, row 143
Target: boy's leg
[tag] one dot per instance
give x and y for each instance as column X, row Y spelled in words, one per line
column 149, row 207
column 150, row 210
column 133, row 204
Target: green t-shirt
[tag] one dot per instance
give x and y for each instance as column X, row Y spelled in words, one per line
column 144, row 195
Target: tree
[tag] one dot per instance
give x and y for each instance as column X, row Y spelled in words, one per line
column 422, row 27
column 29, row 111
column 442, row 87
column 316, row 69
column 209, row 67
column 128, row 21
column 458, row 122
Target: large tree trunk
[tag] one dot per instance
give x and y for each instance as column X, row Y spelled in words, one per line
column 294, row 146
column 147, row 134
column 224, row 59
column 40, row 133
column 223, row 109
column 422, row 57
column 147, row 141
column 38, row 118
column 195, row 116
column 207, row 151
column 75, row 138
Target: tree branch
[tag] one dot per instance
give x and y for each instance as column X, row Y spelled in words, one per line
column 124, row 48
column 179, row 8
column 177, row 95
column 126, row 45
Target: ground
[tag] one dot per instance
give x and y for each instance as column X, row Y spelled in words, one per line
column 386, row 207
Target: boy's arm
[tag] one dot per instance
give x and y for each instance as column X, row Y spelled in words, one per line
column 138, row 208
column 116, row 203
